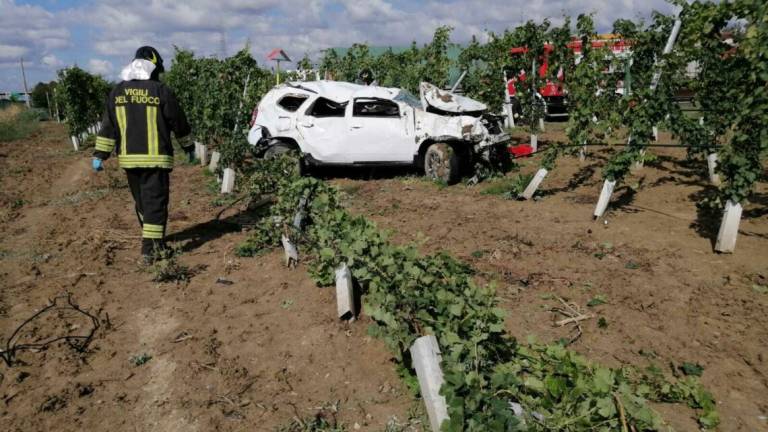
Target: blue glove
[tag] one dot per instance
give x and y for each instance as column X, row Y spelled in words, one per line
column 97, row 164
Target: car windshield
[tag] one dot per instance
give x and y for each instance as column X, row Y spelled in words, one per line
column 407, row 98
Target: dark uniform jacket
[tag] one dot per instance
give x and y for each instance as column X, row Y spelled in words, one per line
column 137, row 125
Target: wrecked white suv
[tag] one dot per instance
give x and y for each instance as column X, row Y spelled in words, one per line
column 339, row 123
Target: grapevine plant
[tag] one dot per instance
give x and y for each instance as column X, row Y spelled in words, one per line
column 745, row 155
column 407, row 295
column 81, row 97
column 642, row 106
column 728, row 41
column 218, row 97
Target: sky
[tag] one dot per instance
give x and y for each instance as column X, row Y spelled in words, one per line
column 102, row 36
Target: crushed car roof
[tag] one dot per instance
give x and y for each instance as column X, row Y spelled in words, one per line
column 339, row 91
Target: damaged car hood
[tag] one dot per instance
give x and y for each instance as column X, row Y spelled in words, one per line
column 445, row 101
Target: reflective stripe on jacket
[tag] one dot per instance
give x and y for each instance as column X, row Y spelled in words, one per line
column 137, row 125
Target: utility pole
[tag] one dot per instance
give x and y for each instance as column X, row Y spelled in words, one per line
column 56, row 105
column 26, row 90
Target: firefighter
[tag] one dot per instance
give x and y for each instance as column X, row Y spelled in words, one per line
column 137, row 124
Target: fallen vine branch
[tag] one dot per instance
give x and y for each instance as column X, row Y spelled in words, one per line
column 79, row 343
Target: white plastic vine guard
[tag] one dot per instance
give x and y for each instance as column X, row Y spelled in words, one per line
column 214, row 163
column 291, row 253
column 655, row 133
column 639, row 164
column 425, row 354
column 75, row 142
column 533, row 186
column 228, row 182
column 605, row 198
column 729, row 228
column 197, row 150
column 541, row 124
column 203, row 155
column 534, row 142
column 714, row 177
column 345, row 293
column 301, row 213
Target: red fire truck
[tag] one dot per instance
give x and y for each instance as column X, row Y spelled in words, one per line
column 553, row 94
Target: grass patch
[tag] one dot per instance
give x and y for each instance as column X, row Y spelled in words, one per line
column 17, row 123
column 508, row 187
column 167, row 268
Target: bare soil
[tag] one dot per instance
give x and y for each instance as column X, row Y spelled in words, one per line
column 250, row 352
column 253, row 354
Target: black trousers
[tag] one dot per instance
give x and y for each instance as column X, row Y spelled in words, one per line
column 150, row 188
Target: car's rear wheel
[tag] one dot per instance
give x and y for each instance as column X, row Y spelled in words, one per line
column 286, row 150
column 441, row 163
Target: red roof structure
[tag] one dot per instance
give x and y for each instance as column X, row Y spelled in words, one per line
column 278, row 54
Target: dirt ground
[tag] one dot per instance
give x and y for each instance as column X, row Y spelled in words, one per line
column 249, row 352
column 253, row 354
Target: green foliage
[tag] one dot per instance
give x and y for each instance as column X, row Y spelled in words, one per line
column 218, row 97
column 509, row 187
column 305, row 63
column 408, row 295
column 17, row 124
column 81, row 98
column 167, row 268
column 597, row 301
column 42, row 93
column 692, row 369
column 141, row 359
column 404, row 69
column 591, row 105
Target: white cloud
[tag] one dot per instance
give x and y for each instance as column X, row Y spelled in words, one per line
column 31, row 32
column 100, row 67
column 12, row 53
column 52, row 61
column 30, row 27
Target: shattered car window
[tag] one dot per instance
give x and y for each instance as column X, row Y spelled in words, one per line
column 375, row 108
column 407, row 98
column 327, row 108
column 291, row 103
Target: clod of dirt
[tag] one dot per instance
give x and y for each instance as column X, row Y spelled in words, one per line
column 84, row 390
column 22, row 376
column 53, row 403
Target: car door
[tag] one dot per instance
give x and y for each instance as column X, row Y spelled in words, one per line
column 322, row 127
column 380, row 130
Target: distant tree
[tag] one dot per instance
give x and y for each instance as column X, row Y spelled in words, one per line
column 38, row 94
column 305, row 63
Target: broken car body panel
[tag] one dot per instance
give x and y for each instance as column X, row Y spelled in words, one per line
column 432, row 96
column 343, row 123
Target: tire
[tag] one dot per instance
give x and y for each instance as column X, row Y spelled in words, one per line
column 500, row 159
column 280, row 149
column 441, row 163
